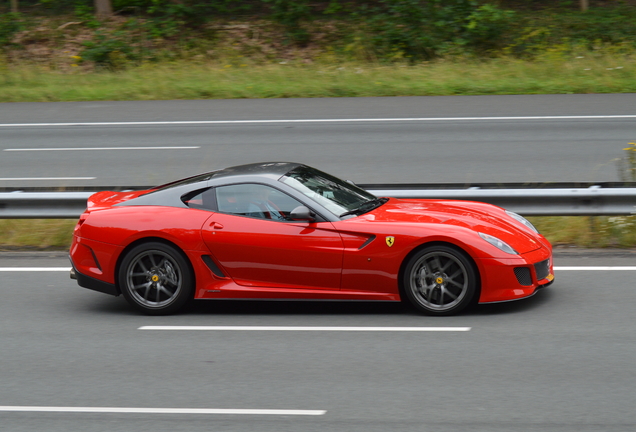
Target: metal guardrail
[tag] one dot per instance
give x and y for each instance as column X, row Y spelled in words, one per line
column 594, row 201
column 42, row 205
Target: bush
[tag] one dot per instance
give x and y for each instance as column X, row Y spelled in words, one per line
column 290, row 13
column 10, row 24
column 111, row 51
column 609, row 25
column 418, row 29
column 487, row 26
column 574, row 30
column 187, row 12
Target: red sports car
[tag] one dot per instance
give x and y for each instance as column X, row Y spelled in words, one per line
column 288, row 231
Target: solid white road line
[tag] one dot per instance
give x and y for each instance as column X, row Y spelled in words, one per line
column 100, row 148
column 161, row 410
column 557, row 268
column 44, row 178
column 291, row 328
column 35, row 269
column 595, row 268
column 411, row 119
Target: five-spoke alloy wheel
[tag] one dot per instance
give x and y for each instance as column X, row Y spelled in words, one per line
column 155, row 278
column 440, row 280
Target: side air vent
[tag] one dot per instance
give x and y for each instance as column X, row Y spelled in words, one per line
column 523, row 276
column 212, row 266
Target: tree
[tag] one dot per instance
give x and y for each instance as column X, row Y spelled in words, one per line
column 103, row 8
column 14, row 6
column 584, row 5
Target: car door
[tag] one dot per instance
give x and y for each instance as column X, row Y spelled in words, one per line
column 253, row 239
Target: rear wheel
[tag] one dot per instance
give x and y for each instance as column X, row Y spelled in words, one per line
column 440, row 280
column 156, row 278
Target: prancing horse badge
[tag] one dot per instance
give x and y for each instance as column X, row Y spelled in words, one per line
column 390, row 240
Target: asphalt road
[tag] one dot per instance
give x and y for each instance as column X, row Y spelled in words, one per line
column 442, row 145
column 560, row 361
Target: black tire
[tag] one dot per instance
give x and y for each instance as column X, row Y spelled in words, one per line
column 440, row 280
column 156, row 278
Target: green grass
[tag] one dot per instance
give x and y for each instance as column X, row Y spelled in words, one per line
column 588, row 231
column 36, row 234
column 166, row 81
column 581, row 231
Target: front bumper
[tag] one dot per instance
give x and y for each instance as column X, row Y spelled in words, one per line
column 500, row 283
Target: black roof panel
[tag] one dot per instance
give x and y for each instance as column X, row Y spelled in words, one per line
column 275, row 168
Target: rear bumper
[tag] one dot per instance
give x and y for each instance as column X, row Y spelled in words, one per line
column 92, row 283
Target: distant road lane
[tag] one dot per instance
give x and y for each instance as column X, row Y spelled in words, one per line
column 468, row 139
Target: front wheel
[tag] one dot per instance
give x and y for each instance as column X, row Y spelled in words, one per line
column 440, row 280
column 155, row 278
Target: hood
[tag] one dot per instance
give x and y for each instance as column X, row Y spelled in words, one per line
column 106, row 199
column 476, row 216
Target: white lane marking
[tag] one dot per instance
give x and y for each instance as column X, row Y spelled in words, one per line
column 161, row 410
column 410, row 119
column 44, row 178
column 35, row 269
column 291, row 328
column 594, row 268
column 557, row 268
column 100, row 148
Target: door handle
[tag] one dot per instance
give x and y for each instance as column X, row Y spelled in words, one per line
column 216, row 225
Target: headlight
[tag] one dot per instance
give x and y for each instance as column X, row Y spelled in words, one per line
column 499, row 244
column 523, row 220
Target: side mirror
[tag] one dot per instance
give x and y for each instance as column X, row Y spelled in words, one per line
column 302, row 213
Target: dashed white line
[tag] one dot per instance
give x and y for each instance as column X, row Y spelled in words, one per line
column 319, row 328
column 117, row 410
column 100, row 148
column 353, row 120
column 44, row 178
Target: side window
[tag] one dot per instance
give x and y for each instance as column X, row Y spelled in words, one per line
column 202, row 199
column 255, row 200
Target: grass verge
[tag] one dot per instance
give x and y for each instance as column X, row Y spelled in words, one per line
column 36, row 234
column 587, row 73
column 580, row 231
column 588, row 231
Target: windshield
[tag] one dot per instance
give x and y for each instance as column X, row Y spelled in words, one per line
column 334, row 194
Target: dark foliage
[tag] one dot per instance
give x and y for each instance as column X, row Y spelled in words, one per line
column 417, row 29
column 10, row 23
column 391, row 29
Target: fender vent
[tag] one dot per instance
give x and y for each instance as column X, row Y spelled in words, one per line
column 212, row 266
column 523, row 276
column 369, row 240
